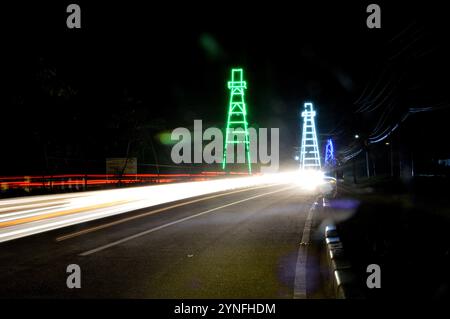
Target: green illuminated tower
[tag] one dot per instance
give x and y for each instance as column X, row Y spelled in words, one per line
column 237, row 117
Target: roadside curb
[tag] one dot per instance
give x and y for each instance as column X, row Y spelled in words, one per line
column 342, row 280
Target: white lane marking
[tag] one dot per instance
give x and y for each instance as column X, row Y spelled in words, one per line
column 302, row 258
column 123, row 240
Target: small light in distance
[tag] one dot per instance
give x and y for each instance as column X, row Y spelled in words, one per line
column 356, row 136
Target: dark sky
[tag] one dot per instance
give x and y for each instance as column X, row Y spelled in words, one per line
column 135, row 70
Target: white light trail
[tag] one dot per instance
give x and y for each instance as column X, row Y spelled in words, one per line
column 25, row 216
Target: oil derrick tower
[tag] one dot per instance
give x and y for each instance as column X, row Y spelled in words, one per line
column 237, row 125
column 309, row 150
column 330, row 161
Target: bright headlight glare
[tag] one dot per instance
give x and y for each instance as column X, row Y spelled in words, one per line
column 310, row 179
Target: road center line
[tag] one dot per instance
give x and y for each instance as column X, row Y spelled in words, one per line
column 127, row 219
column 302, row 258
column 123, row 240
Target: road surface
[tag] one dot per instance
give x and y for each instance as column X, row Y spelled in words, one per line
column 240, row 244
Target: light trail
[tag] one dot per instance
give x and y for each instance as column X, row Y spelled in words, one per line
column 77, row 180
column 20, row 217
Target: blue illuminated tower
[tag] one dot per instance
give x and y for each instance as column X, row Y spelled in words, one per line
column 309, row 151
column 329, row 154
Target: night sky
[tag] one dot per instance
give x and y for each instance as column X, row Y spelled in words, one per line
column 71, row 98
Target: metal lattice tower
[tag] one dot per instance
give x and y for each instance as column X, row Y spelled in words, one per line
column 237, row 117
column 329, row 154
column 309, row 151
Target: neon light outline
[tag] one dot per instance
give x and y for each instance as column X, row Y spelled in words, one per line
column 237, row 115
column 309, row 152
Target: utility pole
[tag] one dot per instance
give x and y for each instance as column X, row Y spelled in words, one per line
column 374, row 165
column 392, row 159
column 367, row 164
column 366, row 149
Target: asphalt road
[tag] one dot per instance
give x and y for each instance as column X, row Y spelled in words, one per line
column 240, row 245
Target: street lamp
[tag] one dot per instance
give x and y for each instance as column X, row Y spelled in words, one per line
column 356, row 136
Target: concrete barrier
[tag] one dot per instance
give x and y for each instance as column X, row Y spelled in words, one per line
column 343, row 282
